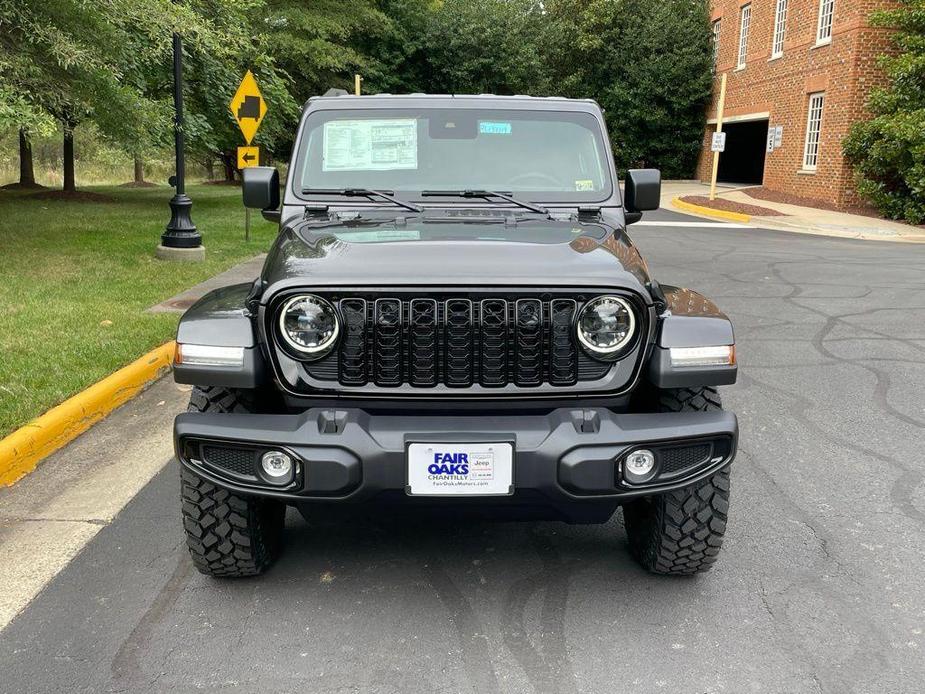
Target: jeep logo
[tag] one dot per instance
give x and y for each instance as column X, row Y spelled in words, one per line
column 449, row 464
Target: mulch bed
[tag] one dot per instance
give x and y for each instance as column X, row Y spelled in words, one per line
column 731, row 206
column 761, row 193
column 72, row 196
column 19, row 186
column 139, row 184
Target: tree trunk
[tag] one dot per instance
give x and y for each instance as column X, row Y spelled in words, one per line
column 229, row 164
column 70, row 185
column 26, row 168
column 210, row 168
column 139, row 172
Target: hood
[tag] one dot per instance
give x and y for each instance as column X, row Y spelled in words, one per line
column 548, row 253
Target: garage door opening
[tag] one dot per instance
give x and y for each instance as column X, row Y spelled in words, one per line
column 743, row 160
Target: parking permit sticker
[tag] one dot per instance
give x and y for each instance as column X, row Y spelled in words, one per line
column 494, row 128
column 370, row 145
column 583, row 185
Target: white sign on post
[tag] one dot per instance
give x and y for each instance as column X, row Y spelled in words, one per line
column 719, row 142
column 778, row 136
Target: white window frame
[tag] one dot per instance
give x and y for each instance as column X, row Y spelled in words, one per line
column 780, row 29
column 717, row 28
column 825, row 22
column 745, row 20
column 814, row 113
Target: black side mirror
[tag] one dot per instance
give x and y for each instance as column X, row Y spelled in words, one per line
column 643, row 190
column 261, row 187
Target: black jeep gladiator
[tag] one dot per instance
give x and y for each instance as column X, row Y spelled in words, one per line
column 453, row 316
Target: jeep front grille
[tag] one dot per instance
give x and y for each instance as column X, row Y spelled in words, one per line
column 457, row 342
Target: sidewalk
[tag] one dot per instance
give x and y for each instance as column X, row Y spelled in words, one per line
column 247, row 271
column 805, row 220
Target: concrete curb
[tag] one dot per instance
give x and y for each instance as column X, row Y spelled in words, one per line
column 21, row 451
column 710, row 212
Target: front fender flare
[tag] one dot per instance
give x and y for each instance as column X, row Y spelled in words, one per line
column 689, row 320
column 221, row 319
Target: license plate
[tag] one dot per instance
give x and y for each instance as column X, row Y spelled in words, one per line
column 460, row 469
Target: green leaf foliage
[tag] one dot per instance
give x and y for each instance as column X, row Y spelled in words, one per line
column 888, row 152
column 109, row 61
column 74, row 60
column 484, row 46
column 647, row 63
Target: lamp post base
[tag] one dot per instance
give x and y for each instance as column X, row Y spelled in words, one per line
column 181, row 232
column 182, row 255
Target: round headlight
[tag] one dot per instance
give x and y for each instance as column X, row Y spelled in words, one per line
column 308, row 324
column 606, row 325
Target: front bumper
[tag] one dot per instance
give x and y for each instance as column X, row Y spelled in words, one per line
column 566, row 457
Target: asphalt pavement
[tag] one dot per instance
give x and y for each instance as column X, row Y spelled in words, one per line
column 819, row 588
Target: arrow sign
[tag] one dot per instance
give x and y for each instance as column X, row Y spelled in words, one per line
column 248, row 156
column 248, row 107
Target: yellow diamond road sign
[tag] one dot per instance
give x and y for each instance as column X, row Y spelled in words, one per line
column 248, row 107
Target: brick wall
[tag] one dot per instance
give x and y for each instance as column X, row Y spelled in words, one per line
column 845, row 69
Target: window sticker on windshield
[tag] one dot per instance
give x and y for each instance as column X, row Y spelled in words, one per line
column 584, row 184
column 379, row 236
column 370, row 145
column 494, row 128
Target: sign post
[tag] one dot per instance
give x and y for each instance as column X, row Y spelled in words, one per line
column 248, row 108
column 356, row 84
column 719, row 130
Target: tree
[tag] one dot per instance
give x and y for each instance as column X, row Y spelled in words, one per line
column 394, row 53
column 70, row 59
column 26, row 167
column 647, row 63
column 18, row 113
column 316, row 43
column 484, row 46
column 888, row 152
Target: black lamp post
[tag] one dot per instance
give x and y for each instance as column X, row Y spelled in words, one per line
column 181, row 240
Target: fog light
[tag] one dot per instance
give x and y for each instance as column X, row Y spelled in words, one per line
column 639, row 465
column 276, row 465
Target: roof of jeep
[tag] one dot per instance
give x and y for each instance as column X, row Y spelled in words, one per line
column 517, row 101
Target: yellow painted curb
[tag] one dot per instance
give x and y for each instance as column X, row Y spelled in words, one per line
column 710, row 212
column 21, row 451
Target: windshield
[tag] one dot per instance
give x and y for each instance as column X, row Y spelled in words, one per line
column 553, row 156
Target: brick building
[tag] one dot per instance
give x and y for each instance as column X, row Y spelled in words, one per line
column 804, row 67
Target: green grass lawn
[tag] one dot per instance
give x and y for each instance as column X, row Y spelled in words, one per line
column 68, row 266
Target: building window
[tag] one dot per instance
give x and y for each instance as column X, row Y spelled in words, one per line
column 826, row 11
column 813, row 131
column 716, row 28
column 780, row 28
column 745, row 20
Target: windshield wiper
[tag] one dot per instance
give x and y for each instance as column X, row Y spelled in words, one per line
column 364, row 193
column 486, row 194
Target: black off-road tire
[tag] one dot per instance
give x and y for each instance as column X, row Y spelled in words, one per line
column 681, row 532
column 227, row 534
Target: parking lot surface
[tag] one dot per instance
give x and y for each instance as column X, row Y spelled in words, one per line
column 819, row 588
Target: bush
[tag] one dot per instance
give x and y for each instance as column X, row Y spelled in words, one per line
column 888, row 152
